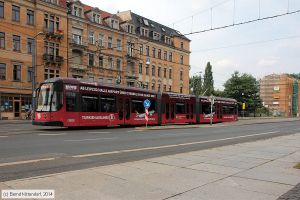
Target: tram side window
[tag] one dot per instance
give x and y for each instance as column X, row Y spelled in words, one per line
column 180, row 108
column 228, row 110
column 206, row 108
column 108, row 104
column 90, row 103
column 71, row 101
column 137, row 106
column 152, row 108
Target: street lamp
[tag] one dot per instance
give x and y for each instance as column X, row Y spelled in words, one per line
column 34, row 70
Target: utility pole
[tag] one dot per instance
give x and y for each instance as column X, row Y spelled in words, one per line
column 34, row 71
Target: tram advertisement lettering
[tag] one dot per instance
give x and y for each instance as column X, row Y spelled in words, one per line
column 117, row 92
column 110, row 117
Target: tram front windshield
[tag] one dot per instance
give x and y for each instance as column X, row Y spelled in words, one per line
column 49, row 98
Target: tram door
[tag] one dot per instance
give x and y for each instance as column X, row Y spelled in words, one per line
column 219, row 111
column 127, row 110
column 121, row 109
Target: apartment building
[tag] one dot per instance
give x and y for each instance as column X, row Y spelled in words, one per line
column 72, row 39
column 280, row 94
column 24, row 23
column 97, row 45
column 163, row 54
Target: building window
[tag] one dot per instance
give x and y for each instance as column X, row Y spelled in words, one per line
column 165, row 72
column 1, row 9
column 91, row 37
column 170, row 57
column 153, row 70
column 181, row 45
column 170, row 73
column 110, row 63
column 29, row 74
column 180, row 89
column 51, row 48
column 109, row 44
column 141, row 49
column 165, row 55
column 6, row 104
column 96, row 18
column 51, row 73
column 2, row 71
column 109, row 80
column 51, row 22
column 118, row 64
column 30, row 43
column 16, row 43
column 153, row 52
column 170, row 88
column 100, row 41
column 153, row 86
column 16, row 13
column 147, row 51
column 77, row 11
column 30, row 17
column 101, row 61
column 77, row 39
column 181, row 75
column 91, row 59
column 147, row 69
column 158, row 87
column 140, row 68
column 165, row 88
column 159, row 72
column 129, row 28
column 17, row 72
column 2, row 40
column 119, row 46
column 146, row 86
column 181, row 60
column 91, row 78
column 159, row 53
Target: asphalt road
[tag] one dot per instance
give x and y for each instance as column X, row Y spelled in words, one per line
column 45, row 151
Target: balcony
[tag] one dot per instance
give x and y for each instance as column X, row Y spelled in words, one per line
column 131, row 76
column 76, row 66
column 78, row 44
column 53, row 34
column 51, row 59
column 132, row 58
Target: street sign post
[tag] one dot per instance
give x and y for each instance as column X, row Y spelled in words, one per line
column 147, row 105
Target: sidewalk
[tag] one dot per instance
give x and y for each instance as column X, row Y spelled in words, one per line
column 255, row 170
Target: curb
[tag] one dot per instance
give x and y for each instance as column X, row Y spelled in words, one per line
column 164, row 127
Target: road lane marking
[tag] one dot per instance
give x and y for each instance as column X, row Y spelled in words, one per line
column 90, row 139
column 26, row 162
column 51, row 134
column 134, row 131
column 169, row 146
column 3, row 136
column 100, row 132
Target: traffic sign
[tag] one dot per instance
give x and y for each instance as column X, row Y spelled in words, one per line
column 147, row 104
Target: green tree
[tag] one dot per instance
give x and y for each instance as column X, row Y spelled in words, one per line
column 196, row 85
column 296, row 76
column 208, row 80
column 245, row 89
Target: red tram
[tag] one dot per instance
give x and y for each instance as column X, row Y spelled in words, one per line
column 69, row 102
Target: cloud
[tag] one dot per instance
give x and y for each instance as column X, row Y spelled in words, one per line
column 224, row 63
column 266, row 62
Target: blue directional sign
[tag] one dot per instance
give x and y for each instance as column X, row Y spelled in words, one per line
column 147, row 103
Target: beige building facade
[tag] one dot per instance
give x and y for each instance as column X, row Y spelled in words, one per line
column 22, row 24
column 280, row 94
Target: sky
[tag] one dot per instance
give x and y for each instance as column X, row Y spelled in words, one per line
column 260, row 48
